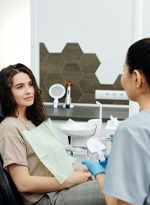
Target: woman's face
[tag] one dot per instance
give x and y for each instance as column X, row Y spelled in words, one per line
column 22, row 90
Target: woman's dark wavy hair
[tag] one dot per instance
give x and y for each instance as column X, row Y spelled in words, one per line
column 36, row 112
column 138, row 57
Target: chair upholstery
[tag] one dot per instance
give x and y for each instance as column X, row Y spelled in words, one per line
column 9, row 194
column 1, row 110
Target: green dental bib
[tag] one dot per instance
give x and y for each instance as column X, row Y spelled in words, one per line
column 49, row 149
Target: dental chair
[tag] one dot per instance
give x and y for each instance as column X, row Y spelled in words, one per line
column 9, row 194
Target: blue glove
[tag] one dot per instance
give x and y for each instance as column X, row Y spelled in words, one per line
column 104, row 163
column 94, row 167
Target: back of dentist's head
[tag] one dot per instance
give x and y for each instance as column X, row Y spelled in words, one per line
column 138, row 57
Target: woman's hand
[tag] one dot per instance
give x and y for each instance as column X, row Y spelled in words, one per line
column 82, row 169
column 78, row 177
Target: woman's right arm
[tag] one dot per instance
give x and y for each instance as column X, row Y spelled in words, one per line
column 43, row 184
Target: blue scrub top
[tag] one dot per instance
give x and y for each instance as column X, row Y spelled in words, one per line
column 128, row 170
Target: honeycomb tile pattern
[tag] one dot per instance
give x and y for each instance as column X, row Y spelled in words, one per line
column 71, row 64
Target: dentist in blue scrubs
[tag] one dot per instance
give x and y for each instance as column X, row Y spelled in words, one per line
column 125, row 179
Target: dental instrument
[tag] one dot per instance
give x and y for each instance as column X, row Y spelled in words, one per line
column 68, row 96
column 95, row 150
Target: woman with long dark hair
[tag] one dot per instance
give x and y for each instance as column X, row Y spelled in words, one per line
column 23, row 110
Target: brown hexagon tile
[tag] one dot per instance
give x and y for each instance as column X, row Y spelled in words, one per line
column 105, row 87
column 117, row 84
column 89, row 83
column 43, row 52
column 53, row 78
column 105, row 101
column 54, row 62
column 72, row 72
column 44, row 94
column 121, row 102
column 87, row 98
column 43, row 72
column 72, row 52
column 46, row 97
column 89, row 63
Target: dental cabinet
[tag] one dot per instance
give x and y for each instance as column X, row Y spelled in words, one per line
column 85, row 112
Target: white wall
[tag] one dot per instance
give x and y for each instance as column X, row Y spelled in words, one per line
column 103, row 27
column 15, row 32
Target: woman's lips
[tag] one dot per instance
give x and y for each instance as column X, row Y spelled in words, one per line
column 29, row 98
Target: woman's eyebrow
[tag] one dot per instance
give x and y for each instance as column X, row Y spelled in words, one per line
column 23, row 83
column 18, row 84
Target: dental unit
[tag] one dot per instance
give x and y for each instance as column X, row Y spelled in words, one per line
column 87, row 138
column 80, row 132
